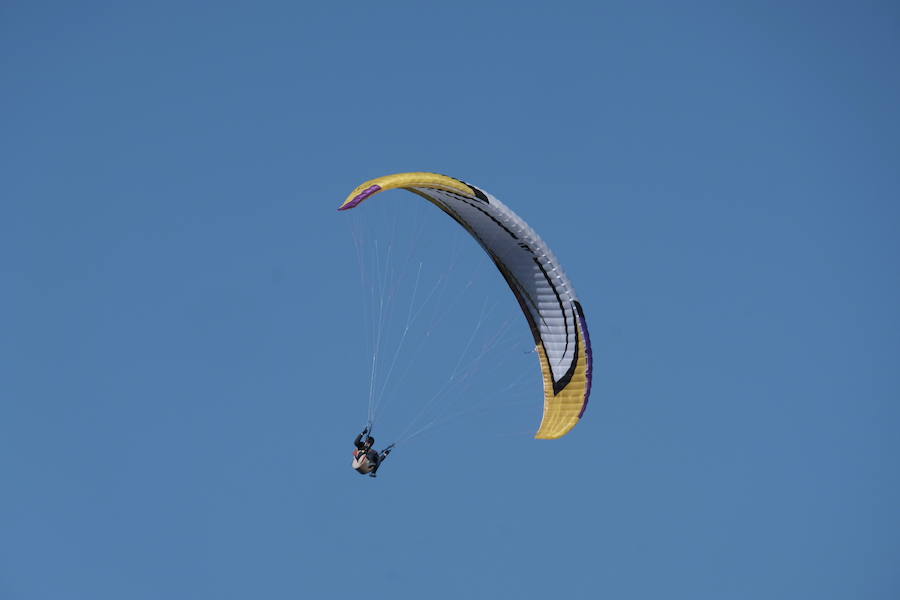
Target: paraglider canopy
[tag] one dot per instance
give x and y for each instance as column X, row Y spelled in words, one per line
column 533, row 273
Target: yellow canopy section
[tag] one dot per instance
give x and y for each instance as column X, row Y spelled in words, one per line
column 406, row 181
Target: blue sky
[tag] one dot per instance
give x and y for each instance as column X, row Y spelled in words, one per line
column 183, row 358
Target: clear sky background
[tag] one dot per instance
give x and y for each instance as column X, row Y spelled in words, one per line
column 183, row 358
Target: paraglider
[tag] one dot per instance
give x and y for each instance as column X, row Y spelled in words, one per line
column 536, row 278
column 366, row 459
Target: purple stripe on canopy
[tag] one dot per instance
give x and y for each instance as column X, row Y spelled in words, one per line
column 361, row 196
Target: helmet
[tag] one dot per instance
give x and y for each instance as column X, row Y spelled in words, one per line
column 369, row 441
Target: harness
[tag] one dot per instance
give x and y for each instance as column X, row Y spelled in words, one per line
column 361, row 461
